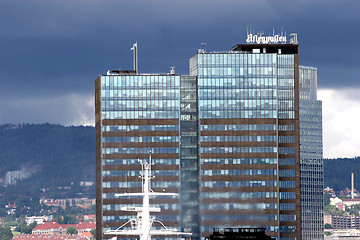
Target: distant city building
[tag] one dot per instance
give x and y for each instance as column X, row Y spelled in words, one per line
column 86, row 183
column 311, row 155
column 49, row 228
column 50, row 237
column 350, row 202
column 12, row 177
column 89, row 218
column 337, row 202
column 330, row 191
column 82, row 202
column 56, row 228
column 38, row 219
column 226, row 138
column 344, row 222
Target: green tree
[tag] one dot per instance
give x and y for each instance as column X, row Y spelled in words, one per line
column 22, row 227
column 326, row 199
column 5, row 233
column 328, row 233
column 328, row 226
column 332, row 210
column 71, row 230
column 354, row 209
column 93, row 232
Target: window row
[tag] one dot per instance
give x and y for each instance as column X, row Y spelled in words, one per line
column 287, row 173
column 239, row 114
column 287, row 229
column 239, row 217
column 140, row 150
column 238, row 172
column 110, row 114
column 287, row 184
column 287, row 217
column 286, row 150
column 117, row 207
column 287, row 195
column 140, row 80
column 238, row 149
column 238, row 138
column 236, row 93
column 287, row 206
column 242, row 195
column 136, row 105
column 223, row 104
column 262, row 79
column 154, row 184
column 135, row 161
column 239, row 127
column 236, row 58
column 154, row 139
column 124, row 218
column 239, row 161
column 127, row 128
column 286, row 139
column 139, row 94
column 286, row 127
column 253, row 183
column 269, row 228
column 240, row 206
column 132, row 173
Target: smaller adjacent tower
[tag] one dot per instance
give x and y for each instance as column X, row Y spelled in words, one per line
column 311, row 156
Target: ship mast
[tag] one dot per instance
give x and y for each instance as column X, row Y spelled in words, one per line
column 142, row 225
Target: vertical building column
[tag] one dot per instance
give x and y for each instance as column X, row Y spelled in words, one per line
column 189, row 157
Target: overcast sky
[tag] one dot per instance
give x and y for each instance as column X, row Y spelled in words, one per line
column 52, row 51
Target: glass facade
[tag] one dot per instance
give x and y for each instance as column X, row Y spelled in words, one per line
column 139, row 114
column 226, row 138
column 247, row 112
column 311, row 156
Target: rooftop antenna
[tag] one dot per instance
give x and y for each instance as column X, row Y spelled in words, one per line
column 134, row 48
column 202, row 49
column 273, row 31
column 293, row 40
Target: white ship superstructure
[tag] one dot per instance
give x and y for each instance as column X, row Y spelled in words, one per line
column 142, row 225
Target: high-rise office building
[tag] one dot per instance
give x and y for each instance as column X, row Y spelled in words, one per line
column 311, row 156
column 226, row 138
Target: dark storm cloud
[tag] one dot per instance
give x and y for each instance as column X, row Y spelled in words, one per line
column 51, row 48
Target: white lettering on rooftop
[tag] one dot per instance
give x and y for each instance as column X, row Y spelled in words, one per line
column 253, row 38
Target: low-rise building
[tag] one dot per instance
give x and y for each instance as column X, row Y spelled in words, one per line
column 343, row 222
column 348, row 202
column 83, row 227
column 56, row 228
column 89, row 218
column 50, row 237
column 337, row 202
column 38, row 219
column 49, row 228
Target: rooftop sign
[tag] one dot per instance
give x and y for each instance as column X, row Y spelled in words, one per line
column 272, row 39
column 259, row 39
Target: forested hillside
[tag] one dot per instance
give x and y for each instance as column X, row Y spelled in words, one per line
column 337, row 172
column 58, row 155
column 54, row 154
